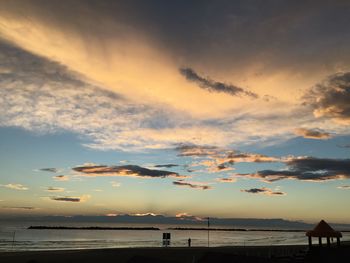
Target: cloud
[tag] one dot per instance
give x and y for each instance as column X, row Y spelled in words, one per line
column 215, row 86
column 186, row 216
column 264, row 191
column 344, row 187
column 166, row 165
column 226, row 180
column 15, row 186
column 196, row 150
column 330, row 98
column 54, row 189
column 123, row 170
column 307, row 169
column 194, row 185
column 218, row 159
column 115, row 184
column 344, row 146
column 312, row 134
column 72, row 199
column 148, row 104
column 52, row 170
column 20, row 207
column 61, row 178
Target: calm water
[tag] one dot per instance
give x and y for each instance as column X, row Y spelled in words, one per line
column 26, row 239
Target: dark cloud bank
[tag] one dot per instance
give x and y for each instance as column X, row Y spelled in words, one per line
column 308, row 169
column 66, row 199
column 123, row 170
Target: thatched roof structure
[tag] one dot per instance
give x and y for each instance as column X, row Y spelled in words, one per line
column 323, row 230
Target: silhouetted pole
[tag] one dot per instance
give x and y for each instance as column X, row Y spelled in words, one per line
column 13, row 239
column 310, row 241
column 208, row 231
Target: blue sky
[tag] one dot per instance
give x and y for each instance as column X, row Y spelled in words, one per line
column 112, row 107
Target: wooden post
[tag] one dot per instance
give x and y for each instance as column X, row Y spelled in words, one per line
column 328, row 242
column 338, row 242
column 310, row 241
column 320, row 241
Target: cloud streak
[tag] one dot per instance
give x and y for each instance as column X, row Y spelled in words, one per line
column 72, row 199
column 214, row 86
column 54, row 189
column 193, row 185
column 51, row 170
column 263, row 191
column 20, row 187
column 123, row 170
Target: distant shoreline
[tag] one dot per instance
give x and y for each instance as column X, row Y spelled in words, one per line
column 158, row 229
column 92, row 228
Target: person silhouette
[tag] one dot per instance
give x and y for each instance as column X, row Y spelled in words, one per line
column 189, row 242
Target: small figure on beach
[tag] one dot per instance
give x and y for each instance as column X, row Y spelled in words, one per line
column 189, row 242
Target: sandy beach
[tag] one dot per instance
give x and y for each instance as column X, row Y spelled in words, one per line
column 190, row 255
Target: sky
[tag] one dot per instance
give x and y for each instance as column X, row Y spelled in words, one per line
column 232, row 109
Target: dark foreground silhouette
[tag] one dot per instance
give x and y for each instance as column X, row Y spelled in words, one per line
column 277, row 254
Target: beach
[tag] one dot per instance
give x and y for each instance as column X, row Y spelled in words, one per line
column 293, row 253
column 178, row 254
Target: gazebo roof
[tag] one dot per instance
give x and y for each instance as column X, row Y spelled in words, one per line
column 323, row 230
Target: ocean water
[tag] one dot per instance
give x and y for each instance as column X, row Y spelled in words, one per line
column 16, row 237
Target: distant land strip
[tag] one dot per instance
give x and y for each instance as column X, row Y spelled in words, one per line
column 240, row 229
column 234, row 229
column 92, row 228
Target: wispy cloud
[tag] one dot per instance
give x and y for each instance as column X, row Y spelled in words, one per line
column 54, row 189
column 15, row 186
column 20, row 207
column 115, row 184
column 226, row 180
column 52, row 170
column 344, row 187
column 312, row 134
column 61, row 178
column 123, row 170
column 218, row 159
column 194, row 185
column 264, row 191
column 215, row 86
column 170, row 165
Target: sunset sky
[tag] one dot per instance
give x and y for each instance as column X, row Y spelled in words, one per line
column 205, row 108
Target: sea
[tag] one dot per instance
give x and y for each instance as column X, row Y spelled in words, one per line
column 15, row 236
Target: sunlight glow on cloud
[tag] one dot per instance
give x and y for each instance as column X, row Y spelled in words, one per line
column 312, row 134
